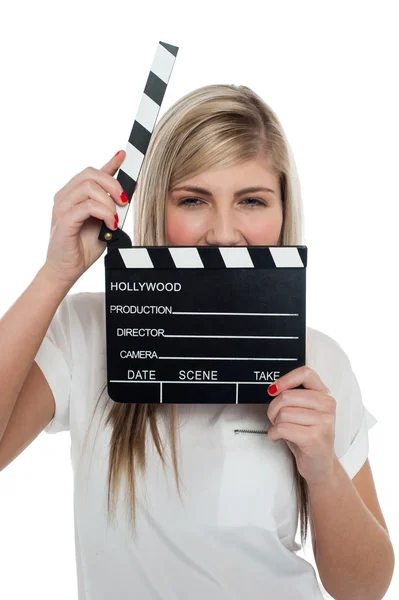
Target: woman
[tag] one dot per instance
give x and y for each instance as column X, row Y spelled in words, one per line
column 225, row 528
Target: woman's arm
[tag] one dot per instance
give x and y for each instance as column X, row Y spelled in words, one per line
column 22, row 330
column 354, row 554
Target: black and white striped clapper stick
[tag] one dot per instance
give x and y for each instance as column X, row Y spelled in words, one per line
column 188, row 324
column 140, row 136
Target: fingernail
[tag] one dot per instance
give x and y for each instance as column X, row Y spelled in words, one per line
column 124, row 197
column 117, row 153
column 272, row 389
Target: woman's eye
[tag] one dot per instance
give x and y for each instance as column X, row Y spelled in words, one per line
column 194, row 201
column 188, row 203
column 255, row 202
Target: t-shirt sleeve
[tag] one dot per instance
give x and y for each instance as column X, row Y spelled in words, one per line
column 353, row 421
column 55, row 361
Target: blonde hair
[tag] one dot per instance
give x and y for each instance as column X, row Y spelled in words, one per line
column 215, row 126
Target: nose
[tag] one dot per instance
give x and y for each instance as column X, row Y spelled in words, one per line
column 223, row 232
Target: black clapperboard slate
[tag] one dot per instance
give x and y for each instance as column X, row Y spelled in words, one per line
column 203, row 324
column 196, row 324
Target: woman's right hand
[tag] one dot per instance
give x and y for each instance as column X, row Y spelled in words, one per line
column 78, row 211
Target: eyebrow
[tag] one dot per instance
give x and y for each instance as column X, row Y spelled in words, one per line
column 200, row 190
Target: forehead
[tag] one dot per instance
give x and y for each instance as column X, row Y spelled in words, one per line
column 250, row 172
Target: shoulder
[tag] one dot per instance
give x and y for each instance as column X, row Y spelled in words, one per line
column 86, row 312
column 326, row 356
column 86, row 315
column 86, row 305
column 318, row 342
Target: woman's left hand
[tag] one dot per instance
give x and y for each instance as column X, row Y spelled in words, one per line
column 305, row 420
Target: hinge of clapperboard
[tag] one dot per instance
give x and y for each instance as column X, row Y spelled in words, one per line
column 139, row 139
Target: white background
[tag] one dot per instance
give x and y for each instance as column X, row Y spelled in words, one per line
column 72, row 78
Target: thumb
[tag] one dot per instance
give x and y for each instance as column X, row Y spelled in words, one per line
column 113, row 165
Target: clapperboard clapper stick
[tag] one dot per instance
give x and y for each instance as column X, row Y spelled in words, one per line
column 188, row 324
column 140, row 137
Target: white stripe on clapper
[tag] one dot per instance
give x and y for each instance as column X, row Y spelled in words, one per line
column 186, row 258
column 137, row 258
column 236, row 257
column 286, row 257
column 132, row 162
column 163, row 63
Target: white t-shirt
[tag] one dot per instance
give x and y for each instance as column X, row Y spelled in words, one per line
column 234, row 535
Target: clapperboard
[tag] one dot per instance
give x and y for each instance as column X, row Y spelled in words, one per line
column 196, row 324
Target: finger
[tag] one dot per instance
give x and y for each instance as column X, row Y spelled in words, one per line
column 291, row 432
column 304, row 375
column 302, row 398
column 113, row 165
column 86, row 189
column 76, row 217
column 102, row 176
column 302, row 416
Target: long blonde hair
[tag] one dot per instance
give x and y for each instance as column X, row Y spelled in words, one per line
column 215, row 126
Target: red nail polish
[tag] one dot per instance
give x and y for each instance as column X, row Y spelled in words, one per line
column 272, row 389
column 117, row 153
column 124, row 197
